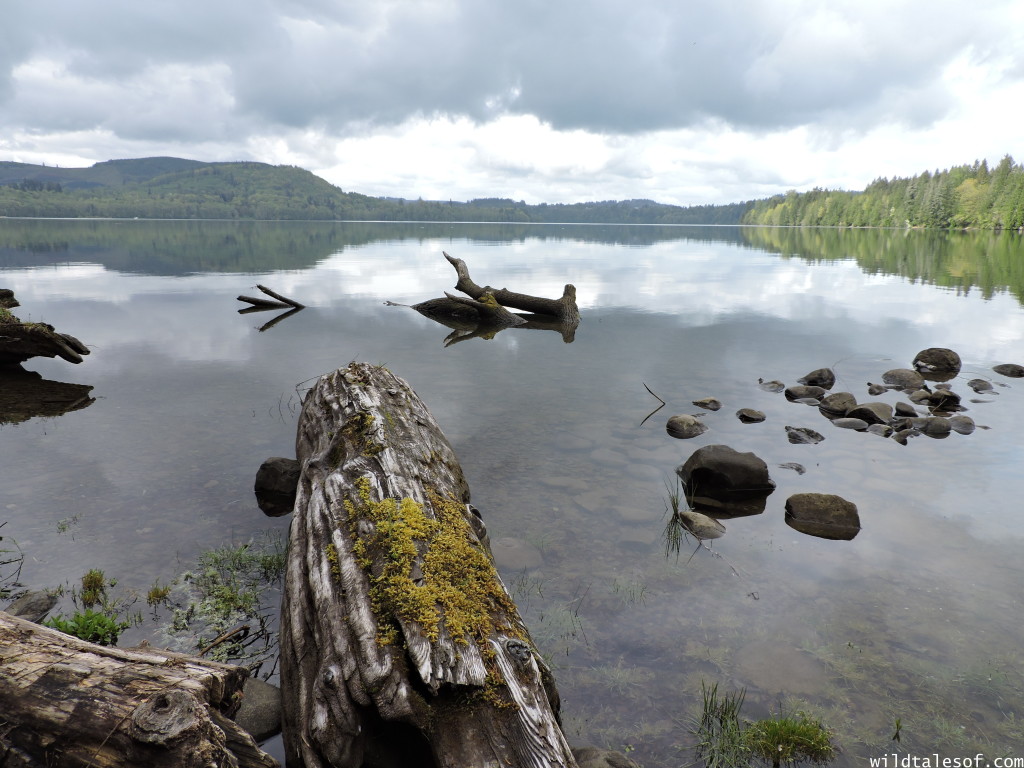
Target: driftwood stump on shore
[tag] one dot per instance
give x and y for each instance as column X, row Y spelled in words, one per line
column 68, row 703
column 400, row 646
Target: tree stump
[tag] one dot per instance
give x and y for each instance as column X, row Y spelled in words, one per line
column 20, row 341
column 399, row 643
column 68, row 703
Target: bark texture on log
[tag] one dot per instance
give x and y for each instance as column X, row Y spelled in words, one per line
column 68, row 703
column 395, row 627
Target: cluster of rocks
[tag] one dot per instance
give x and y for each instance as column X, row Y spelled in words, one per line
column 721, row 482
column 932, row 407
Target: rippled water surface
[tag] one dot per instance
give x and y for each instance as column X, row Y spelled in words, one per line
column 916, row 618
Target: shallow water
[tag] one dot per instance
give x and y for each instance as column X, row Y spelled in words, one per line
column 917, row 618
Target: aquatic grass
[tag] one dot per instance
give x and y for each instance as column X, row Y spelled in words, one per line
column 94, row 587
column 221, row 607
column 619, row 679
column 720, row 742
column 790, row 739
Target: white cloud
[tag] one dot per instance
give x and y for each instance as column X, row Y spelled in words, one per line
column 686, row 103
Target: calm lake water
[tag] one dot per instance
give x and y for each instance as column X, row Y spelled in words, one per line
column 917, row 618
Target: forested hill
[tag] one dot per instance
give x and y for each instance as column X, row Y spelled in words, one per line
column 168, row 187
column 965, row 196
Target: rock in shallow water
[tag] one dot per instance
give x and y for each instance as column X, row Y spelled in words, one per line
column 824, row 515
column 822, row 377
column 684, row 427
column 750, row 416
column 903, row 378
column 708, row 403
column 803, row 435
column 1010, row 369
column 937, row 363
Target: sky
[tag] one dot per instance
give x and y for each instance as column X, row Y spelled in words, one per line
column 689, row 102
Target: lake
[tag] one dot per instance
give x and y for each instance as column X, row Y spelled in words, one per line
column 917, row 618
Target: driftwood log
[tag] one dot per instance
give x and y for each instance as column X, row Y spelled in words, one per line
column 486, row 312
column 67, row 703
column 20, row 341
column 563, row 309
column 400, row 646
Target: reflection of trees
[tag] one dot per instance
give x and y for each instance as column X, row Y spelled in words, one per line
column 181, row 247
column 991, row 262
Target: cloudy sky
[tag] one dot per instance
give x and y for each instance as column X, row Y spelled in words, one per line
column 681, row 101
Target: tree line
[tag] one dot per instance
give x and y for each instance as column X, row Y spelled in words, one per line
column 170, row 188
column 966, row 196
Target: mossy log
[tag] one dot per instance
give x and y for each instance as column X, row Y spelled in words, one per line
column 399, row 643
column 68, row 703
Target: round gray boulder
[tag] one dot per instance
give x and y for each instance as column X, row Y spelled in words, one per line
column 824, row 515
column 822, row 377
column 837, row 404
column 276, row 484
column 723, row 481
column 937, row 363
column 803, row 392
column 1010, row 369
column 903, row 378
column 750, row 416
column 872, row 413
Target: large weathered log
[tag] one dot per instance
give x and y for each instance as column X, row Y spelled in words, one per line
column 68, row 703
column 399, row 643
column 564, row 309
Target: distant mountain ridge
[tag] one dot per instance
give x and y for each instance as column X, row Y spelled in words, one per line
column 170, row 187
column 109, row 173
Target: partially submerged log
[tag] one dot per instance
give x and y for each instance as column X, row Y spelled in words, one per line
column 277, row 301
column 399, row 643
column 564, row 309
column 484, row 313
column 68, row 703
column 21, row 341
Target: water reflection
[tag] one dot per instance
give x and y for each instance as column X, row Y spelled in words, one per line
column 917, row 617
column 27, row 395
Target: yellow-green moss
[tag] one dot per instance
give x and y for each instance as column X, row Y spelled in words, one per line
column 456, row 586
column 489, row 300
column 332, row 558
column 359, row 427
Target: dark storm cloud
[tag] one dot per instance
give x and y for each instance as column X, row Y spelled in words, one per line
column 191, row 69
